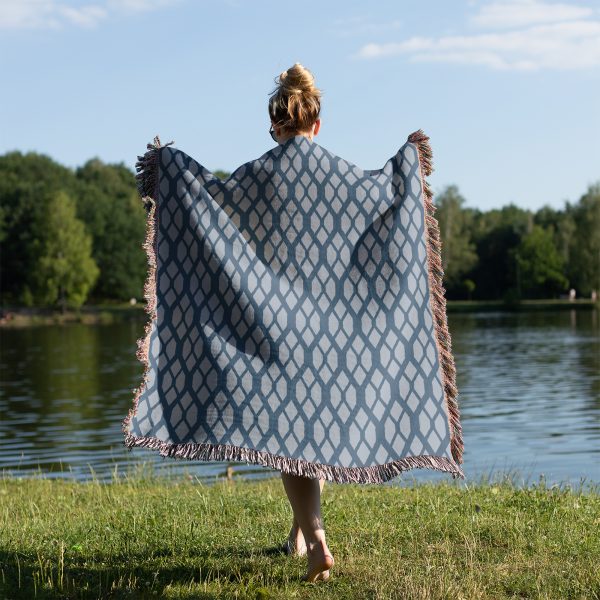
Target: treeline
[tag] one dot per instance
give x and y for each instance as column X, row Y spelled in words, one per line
column 69, row 237
column 512, row 253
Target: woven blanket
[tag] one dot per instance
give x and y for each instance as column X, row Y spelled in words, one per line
column 296, row 315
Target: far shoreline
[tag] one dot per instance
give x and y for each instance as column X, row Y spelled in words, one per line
column 106, row 313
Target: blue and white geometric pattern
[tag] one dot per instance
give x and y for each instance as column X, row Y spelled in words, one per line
column 293, row 312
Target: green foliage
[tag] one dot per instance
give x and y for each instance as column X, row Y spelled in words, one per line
column 27, row 181
column 111, row 208
column 106, row 201
column 507, row 253
column 469, row 286
column 496, row 233
column 458, row 250
column 64, row 270
column 221, row 174
column 540, row 266
column 584, row 249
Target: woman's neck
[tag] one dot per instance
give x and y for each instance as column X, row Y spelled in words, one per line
column 309, row 135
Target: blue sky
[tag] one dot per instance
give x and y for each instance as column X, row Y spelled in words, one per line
column 507, row 90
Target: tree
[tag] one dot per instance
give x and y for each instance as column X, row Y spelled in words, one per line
column 469, row 286
column 65, row 270
column 562, row 226
column 221, row 174
column 26, row 181
column 110, row 207
column 540, row 264
column 496, row 232
column 458, row 251
column 584, row 252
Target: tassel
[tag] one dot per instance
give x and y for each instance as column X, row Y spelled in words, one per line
column 295, row 466
column 147, row 186
column 438, row 299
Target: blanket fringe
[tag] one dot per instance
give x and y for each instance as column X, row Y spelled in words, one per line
column 147, row 185
column 295, row 466
column 147, row 167
column 436, row 272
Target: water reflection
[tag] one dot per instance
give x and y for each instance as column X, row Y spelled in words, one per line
column 529, row 395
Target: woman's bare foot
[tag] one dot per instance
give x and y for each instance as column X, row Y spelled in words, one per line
column 295, row 541
column 320, row 560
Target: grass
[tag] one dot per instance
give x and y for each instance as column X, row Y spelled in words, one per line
column 148, row 536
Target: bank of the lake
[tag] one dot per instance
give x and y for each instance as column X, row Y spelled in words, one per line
column 21, row 316
column 92, row 314
column 153, row 537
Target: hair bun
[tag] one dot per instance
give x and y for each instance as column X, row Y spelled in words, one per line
column 295, row 103
column 297, row 80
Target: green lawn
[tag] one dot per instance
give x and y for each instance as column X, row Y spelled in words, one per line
column 149, row 537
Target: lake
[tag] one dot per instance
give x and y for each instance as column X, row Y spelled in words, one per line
column 529, row 397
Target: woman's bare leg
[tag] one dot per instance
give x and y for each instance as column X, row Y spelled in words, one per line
column 304, row 495
column 295, row 536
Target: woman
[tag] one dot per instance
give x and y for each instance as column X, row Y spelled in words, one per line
column 297, row 316
column 294, row 108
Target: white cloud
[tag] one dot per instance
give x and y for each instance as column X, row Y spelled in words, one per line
column 556, row 39
column 55, row 14
column 519, row 13
column 138, row 5
column 86, row 16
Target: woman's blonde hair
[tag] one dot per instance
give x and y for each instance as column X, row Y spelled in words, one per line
column 295, row 104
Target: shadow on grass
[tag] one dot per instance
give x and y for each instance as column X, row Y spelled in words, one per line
column 29, row 576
